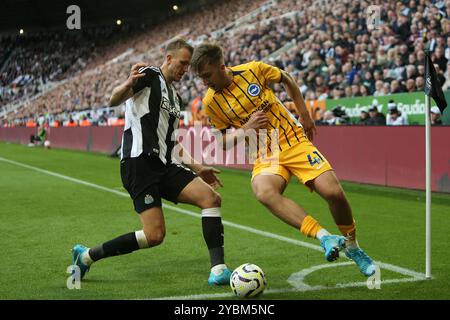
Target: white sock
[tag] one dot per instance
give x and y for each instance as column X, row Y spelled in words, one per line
column 321, row 233
column 141, row 239
column 211, row 212
column 86, row 258
column 218, row 269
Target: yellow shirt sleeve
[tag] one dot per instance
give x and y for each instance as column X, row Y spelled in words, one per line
column 270, row 73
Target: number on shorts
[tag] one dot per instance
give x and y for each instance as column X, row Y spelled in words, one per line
column 315, row 160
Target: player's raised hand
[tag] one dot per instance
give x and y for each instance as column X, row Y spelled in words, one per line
column 208, row 174
column 258, row 120
column 309, row 126
column 135, row 75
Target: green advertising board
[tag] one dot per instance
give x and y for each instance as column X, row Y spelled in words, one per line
column 413, row 104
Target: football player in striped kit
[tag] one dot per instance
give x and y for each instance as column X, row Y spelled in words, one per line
column 148, row 170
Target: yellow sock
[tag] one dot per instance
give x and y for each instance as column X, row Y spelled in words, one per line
column 310, row 227
column 349, row 231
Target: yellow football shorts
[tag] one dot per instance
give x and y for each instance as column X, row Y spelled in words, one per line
column 302, row 160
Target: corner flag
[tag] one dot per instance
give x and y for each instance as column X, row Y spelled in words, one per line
column 434, row 90
column 432, row 86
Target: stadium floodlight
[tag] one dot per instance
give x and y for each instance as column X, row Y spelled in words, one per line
column 21, row 31
column 119, row 22
column 175, row 7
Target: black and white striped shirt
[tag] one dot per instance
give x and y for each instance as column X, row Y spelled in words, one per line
column 151, row 117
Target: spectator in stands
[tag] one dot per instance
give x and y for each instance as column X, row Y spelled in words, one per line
column 396, row 87
column 103, row 119
column 446, row 85
column 85, row 122
column 421, row 70
column 348, row 91
column 396, row 118
column 334, row 117
column 440, row 59
column 319, row 116
column 439, row 74
column 376, row 118
column 410, row 85
column 328, row 118
column 386, row 88
column 338, row 51
column 337, row 93
column 340, row 116
column 71, row 122
column 364, row 91
column 411, row 72
column 364, row 118
column 435, row 116
column 420, row 83
column 369, row 82
column 31, row 123
column 378, row 88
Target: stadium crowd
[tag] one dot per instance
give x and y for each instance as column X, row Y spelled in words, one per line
column 29, row 62
column 326, row 45
column 335, row 55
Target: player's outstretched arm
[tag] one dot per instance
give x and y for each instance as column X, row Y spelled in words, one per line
column 296, row 96
column 124, row 91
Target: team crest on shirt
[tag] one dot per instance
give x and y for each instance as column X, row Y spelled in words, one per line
column 254, row 90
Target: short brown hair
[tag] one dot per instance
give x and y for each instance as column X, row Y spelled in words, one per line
column 206, row 53
column 177, row 44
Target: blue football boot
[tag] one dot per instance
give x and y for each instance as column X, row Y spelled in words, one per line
column 362, row 260
column 332, row 245
column 77, row 251
column 223, row 278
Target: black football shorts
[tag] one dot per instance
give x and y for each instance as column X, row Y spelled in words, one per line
column 147, row 179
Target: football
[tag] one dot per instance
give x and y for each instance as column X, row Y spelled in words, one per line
column 248, row 280
column 47, row 144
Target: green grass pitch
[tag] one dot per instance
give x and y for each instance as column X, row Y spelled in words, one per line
column 44, row 213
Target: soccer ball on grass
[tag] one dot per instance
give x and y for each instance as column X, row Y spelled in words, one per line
column 248, row 280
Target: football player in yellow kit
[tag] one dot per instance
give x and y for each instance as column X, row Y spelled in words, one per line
column 240, row 97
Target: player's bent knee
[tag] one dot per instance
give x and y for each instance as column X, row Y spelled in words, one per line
column 211, row 200
column 155, row 236
column 216, row 200
column 156, row 239
column 266, row 196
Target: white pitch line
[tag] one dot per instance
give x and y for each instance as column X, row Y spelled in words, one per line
column 170, row 207
column 61, row 176
column 249, row 229
column 404, row 271
column 416, row 275
column 299, row 285
column 286, row 290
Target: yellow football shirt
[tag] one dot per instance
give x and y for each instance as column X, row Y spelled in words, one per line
column 248, row 93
